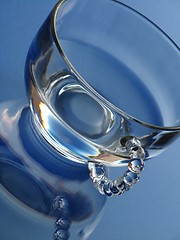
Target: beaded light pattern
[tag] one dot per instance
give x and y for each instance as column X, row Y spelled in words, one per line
column 117, row 187
column 60, row 208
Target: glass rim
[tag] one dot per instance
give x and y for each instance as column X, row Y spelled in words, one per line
column 88, row 86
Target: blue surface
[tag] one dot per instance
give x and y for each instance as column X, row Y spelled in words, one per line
column 151, row 210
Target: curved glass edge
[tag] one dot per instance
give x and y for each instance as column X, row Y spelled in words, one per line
column 86, row 85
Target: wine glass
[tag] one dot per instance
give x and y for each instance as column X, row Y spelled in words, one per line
column 102, row 81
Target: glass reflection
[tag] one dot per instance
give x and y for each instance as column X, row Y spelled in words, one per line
column 41, row 186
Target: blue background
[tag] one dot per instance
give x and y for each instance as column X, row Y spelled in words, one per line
column 151, row 210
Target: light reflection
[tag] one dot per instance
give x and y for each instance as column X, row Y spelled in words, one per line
column 8, row 117
column 43, row 114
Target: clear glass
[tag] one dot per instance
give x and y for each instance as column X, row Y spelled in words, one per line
column 33, row 176
column 98, row 72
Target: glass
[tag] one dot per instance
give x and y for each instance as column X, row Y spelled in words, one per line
column 103, row 87
column 41, row 194
column 99, row 75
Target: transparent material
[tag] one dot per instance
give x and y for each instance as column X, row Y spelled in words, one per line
column 98, row 72
column 39, row 187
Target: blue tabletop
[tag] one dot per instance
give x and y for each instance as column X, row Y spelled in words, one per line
column 151, row 211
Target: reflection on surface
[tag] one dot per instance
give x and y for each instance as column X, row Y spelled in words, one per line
column 40, row 187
